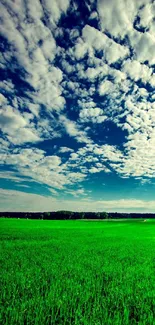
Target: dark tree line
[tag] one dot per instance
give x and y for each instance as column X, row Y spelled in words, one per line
column 70, row 215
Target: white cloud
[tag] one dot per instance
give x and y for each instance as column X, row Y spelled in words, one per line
column 117, row 16
column 152, row 81
column 10, row 176
column 34, row 108
column 7, row 85
column 65, row 149
column 99, row 41
column 73, row 130
column 106, row 87
column 74, row 156
column 94, row 170
column 137, row 71
column 94, row 115
column 33, row 202
column 81, row 49
column 94, row 38
column 76, row 193
column 146, row 15
column 24, row 135
column 10, row 118
column 51, row 161
column 55, row 8
column 93, row 73
column 93, row 15
column 139, row 155
column 115, row 52
column 68, row 68
column 12, row 121
column 4, row 145
column 3, row 100
column 49, row 170
column 34, row 59
column 144, row 46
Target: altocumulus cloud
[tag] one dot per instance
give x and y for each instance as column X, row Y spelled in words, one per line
column 77, row 103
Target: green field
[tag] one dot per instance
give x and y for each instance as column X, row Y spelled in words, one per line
column 77, row 272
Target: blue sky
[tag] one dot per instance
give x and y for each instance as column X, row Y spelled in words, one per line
column 77, row 103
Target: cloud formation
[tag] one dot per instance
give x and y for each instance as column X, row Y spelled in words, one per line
column 32, row 202
column 77, row 92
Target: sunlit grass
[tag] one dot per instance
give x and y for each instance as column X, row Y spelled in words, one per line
column 75, row 272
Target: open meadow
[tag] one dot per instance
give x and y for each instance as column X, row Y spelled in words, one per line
column 77, row 272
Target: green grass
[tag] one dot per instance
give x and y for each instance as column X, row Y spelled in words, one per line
column 77, row 273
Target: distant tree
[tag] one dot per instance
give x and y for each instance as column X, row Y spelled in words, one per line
column 104, row 215
column 47, row 215
column 81, row 215
column 98, row 215
column 64, row 215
